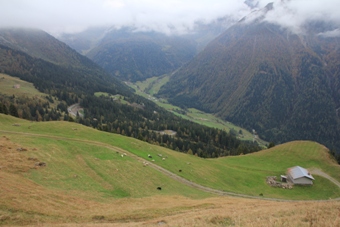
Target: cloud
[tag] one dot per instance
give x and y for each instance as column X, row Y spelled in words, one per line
column 330, row 34
column 57, row 16
column 294, row 14
column 76, row 15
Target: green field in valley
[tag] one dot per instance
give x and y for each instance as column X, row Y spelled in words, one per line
column 117, row 97
column 151, row 86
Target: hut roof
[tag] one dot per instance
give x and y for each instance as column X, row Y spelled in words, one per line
column 298, row 172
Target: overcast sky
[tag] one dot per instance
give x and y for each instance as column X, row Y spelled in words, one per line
column 56, row 16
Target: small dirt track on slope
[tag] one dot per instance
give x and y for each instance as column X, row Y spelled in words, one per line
column 324, row 175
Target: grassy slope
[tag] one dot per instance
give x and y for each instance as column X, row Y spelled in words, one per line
column 242, row 174
column 80, row 186
column 97, row 171
column 26, row 88
column 118, row 98
column 151, row 86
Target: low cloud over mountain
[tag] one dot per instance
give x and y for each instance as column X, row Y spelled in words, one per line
column 168, row 16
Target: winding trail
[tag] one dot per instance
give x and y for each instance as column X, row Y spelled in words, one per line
column 175, row 176
column 74, row 109
column 319, row 172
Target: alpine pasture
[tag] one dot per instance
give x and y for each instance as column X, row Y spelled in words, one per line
column 93, row 177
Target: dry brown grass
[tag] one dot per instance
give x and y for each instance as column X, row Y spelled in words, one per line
column 24, row 202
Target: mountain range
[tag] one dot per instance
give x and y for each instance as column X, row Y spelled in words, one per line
column 264, row 77
column 281, row 83
column 134, row 55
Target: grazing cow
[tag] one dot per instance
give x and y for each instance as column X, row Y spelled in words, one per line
column 159, row 188
column 180, row 170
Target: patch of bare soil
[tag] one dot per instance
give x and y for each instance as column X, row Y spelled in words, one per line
column 13, row 158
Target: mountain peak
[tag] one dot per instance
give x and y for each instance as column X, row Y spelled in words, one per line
column 257, row 15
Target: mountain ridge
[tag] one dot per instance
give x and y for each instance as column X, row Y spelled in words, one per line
column 134, row 55
column 261, row 76
column 40, row 44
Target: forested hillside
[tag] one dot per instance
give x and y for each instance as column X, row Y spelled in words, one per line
column 262, row 77
column 136, row 116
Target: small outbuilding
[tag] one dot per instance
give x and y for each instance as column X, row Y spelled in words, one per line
column 300, row 176
column 284, row 178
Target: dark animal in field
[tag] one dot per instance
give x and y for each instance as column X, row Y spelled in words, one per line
column 159, row 188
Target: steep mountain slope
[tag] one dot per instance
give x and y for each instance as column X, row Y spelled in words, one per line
column 38, row 57
column 258, row 75
column 40, row 44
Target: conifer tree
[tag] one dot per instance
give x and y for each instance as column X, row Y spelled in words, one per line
column 4, row 109
column 13, row 110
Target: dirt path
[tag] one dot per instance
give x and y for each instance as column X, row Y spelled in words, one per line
column 319, row 172
column 173, row 175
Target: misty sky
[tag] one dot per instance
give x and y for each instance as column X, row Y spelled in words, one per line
column 57, row 16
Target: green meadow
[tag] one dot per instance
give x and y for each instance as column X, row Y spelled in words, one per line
column 13, row 86
column 119, row 98
column 24, row 89
column 87, row 160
